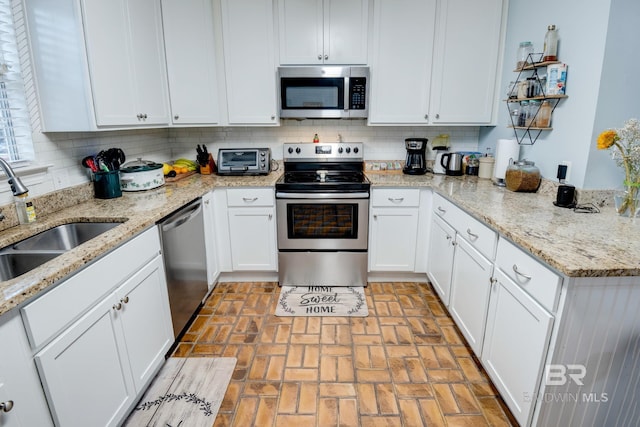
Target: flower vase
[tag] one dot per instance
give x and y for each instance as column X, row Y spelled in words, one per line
column 627, row 202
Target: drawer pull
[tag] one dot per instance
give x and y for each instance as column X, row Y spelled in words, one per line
column 396, row 199
column 124, row 300
column 472, row 235
column 441, row 210
column 249, row 199
column 6, row 406
column 117, row 306
column 515, row 268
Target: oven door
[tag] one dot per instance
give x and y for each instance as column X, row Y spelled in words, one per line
column 322, row 221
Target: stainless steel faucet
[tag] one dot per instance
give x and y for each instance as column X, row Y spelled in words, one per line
column 16, row 184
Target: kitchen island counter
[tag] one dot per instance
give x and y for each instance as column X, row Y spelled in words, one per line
column 136, row 210
column 575, row 244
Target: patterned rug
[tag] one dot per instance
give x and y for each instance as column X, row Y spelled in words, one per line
column 187, row 392
column 322, row 301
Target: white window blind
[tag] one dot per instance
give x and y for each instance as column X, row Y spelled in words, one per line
column 15, row 132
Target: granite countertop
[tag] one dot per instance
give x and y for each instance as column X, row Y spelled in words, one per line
column 577, row 245
column 136, row 210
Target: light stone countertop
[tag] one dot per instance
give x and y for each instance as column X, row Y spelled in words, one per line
column 575, row 244
column 579, row 245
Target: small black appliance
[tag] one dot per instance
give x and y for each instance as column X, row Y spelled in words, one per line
column 416, row 156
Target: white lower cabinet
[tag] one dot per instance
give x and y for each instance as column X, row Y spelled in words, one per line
column 515, row 345
column 440, row 260
column 252, row 229
column 22, row 402
column 470, row 285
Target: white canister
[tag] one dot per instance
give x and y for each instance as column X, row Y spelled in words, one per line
column 486, row 167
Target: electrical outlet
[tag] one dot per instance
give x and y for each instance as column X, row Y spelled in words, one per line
column 567, row 163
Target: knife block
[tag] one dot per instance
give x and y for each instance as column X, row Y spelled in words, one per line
column 209, row 168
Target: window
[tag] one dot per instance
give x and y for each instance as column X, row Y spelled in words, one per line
column 15, row 131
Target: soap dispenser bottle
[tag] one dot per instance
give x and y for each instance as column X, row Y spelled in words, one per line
column 26, row 209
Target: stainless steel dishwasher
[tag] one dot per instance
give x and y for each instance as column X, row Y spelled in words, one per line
column 183, row 250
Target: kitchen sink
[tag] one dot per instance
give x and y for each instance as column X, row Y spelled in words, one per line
column 14, row 264
column 22, row 257
column 64, row 237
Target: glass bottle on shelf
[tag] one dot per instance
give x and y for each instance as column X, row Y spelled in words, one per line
column 543, row 120
column 550, row 44
column 532, row 113
column 524, row 111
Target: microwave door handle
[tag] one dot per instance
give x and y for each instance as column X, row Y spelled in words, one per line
column 346, row 93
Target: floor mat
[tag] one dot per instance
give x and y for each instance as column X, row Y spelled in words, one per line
column 186, row 392
column 322, row 301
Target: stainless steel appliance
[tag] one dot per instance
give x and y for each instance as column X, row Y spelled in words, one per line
column 415, row 163
column 244, row 161
column 452, row 164
column 183, row 249
column 322, row 209
column 332, row 92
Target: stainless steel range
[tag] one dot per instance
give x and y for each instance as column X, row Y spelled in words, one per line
column 322, row 206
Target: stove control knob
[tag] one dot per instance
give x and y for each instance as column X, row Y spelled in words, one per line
column 355, row 150
column 290, row 150
column 298, row 150
column 340, row 150
column 348, row 150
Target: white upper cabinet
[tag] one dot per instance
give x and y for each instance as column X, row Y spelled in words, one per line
column 466, row 61
column 98, row 64
column 323, row 31
column 435, row 61
column 249, row 62
column 402, row 51
column 191, row 62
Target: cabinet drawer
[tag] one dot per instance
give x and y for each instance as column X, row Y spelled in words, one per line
column 473, row 231
column 50, row 313
column 532, row 276
column 396, row 197
column 250, row 197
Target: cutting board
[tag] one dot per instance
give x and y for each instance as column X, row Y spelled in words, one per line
column 179, row 176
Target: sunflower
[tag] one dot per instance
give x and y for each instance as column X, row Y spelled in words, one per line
column 607, row 138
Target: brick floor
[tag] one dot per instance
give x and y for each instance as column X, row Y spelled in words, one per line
column 406, row 364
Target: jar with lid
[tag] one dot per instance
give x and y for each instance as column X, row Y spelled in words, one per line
column 543, row 120
column 524, row 111
column 522, row 176
column 524, row 50
column 532, row 114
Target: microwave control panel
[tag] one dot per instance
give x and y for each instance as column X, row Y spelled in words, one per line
column 357, row 93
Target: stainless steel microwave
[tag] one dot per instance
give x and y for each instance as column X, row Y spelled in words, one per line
column 331, row 92
column 244, row 161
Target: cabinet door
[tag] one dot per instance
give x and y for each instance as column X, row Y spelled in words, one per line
column 301, row 33
column 466, row 60
column 253, row 239
column 515, row 345
column 392, row 242
column 403, row 37
column 247, row 33
column 85, row 372
column 470, row 286
column 127, row 67
column 20, row 389
column 210, row 236
column 346, row 27
column 191, row 64
column 440, row 261
column 143, row 311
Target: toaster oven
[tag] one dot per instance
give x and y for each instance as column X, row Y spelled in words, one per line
column 244, row 161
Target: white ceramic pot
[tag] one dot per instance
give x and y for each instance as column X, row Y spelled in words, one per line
column 141, row 175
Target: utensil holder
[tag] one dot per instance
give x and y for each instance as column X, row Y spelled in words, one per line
column 106, row 185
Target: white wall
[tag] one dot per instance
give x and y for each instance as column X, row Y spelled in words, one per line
column 600, row 43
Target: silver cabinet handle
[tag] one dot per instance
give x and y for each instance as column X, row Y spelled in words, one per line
column 273, row 117
column 176, row 117
column 6, row 406
column 442, row 211
column 437, row 116
column 124, row 300
column 249, row 199
column 270, row 217
column 326, row 57
column 375, row 217
column 519, row 273
column 117, row 306
column 396, row 199
column 139, row 116
column 472, row 235
column 320, row 57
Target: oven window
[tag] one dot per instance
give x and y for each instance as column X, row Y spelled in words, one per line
column 239, row 159
column 318, row 221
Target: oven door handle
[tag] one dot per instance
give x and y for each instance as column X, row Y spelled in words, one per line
column 360, row 195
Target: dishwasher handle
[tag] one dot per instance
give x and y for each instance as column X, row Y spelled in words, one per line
column 182, row 216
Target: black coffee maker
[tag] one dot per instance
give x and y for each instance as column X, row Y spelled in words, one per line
column 416, row 156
